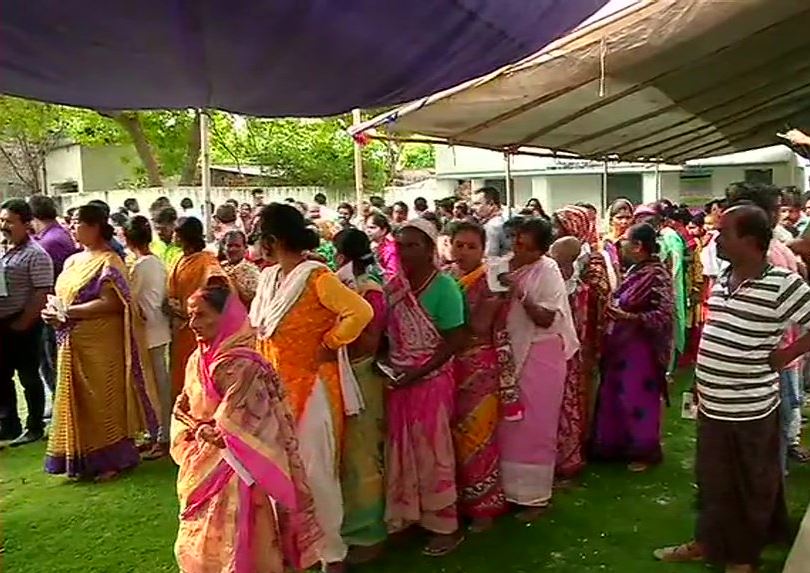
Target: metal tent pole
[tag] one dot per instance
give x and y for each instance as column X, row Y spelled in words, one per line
column 510, row 194
column 604, row 197
column 658, row 181
column 205, row 171
column 358, row 165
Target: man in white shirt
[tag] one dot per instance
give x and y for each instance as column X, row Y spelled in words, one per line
column 487, row 209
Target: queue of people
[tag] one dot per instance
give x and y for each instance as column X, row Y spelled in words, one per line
column 328, row 380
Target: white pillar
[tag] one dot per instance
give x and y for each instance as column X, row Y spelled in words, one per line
column 205, row 179
column 358, row 165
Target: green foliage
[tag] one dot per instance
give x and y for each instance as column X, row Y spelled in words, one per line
column 291, row 151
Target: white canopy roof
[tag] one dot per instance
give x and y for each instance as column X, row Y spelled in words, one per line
column 664, row 80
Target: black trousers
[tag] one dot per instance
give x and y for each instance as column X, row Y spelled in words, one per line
column 20, row 354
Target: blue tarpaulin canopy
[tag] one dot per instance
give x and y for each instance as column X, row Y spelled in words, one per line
column 265, row 57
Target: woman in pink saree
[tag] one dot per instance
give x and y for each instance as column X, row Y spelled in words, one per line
column 543, row 339
column 425, row 328
column 244, row 504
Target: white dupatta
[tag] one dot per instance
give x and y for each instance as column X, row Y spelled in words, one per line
column 274, row 299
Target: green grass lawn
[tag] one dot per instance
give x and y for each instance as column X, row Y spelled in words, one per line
column 610, row 522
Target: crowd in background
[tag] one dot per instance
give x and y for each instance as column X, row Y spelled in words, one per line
column 326, row 379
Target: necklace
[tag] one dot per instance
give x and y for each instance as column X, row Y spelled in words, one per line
column 425, row 283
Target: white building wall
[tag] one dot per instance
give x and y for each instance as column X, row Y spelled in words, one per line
column 63, row 165
column 568, row 189
column 108, row 167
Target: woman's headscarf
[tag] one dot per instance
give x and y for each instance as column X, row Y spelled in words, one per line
column 425, row 226
column 577, row 222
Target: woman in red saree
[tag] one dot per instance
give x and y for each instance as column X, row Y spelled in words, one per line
column 245, row 506
column 425, row 328
column 588, row 297
column 483, row 368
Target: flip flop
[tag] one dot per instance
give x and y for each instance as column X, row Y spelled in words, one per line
column 442, row 551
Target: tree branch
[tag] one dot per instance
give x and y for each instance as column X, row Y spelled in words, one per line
column 192, row 152
column 132, row 125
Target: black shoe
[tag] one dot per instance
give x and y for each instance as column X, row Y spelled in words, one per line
column 27, row 437
column 9, row 433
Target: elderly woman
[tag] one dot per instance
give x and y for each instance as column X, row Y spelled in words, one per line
column 244, row 501
column 425, row 329
column 244, row 274
column 543, row 339
column 588, row 292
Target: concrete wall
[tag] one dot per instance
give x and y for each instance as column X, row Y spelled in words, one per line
column 63, row 165
column 107, row 167
column 146, row 196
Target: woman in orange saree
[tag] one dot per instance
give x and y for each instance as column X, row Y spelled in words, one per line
column 190, row 273
column 305, row 317
column 485, row 379
column 245, row 506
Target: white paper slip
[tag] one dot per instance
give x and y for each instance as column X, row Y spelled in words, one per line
column 495, row 268
column 688, row 406
column 56, row 305
column 3, row 286
column 237, row 466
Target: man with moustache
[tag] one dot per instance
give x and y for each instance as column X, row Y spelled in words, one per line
column 26, row 278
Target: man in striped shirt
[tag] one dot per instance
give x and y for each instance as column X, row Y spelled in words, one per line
column 740, row 486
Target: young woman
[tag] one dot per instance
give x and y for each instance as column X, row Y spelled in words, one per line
column 485, row 383
column 362, row 477
column 383, row 244
column 543, row 339
column 190, row 273
column 533, row 205
column 101, row 403
column 588, row 299
column 244, row 274
column 244, row 501
column 148, row 277
column 425, row 329
column 635, row 357
column 303, row 317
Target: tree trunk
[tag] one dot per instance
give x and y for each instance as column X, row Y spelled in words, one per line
column 132, row 124
column 192, row 152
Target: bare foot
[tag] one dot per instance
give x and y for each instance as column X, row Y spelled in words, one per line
column 359, row 555
column 336, row 567
column 638, row 467
column 442, row 544
column 685, row 553
column 481, row 524
column 531, row 514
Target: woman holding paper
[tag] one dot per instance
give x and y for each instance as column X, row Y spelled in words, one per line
column 101, row 401
column 303, row 317
column 485, row 383
column 234, row 440
column 362, row 477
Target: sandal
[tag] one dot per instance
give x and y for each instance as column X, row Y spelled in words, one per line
column 530, row 514
column 443, row 544
column 684, row 553
column 156, row 452
column 638, row 467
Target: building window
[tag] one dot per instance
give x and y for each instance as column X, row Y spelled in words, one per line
column 759, row 176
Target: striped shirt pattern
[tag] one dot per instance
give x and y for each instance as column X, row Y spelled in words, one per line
column 734, row 379
column 26, row 267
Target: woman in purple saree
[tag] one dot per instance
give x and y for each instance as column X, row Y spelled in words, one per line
column 636, row 354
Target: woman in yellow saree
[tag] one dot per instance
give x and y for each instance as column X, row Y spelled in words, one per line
column 304, row 318
column 101, row 403
column 245, row 506
column 190, row 273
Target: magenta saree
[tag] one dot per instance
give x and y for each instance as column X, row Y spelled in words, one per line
column 421, row 480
